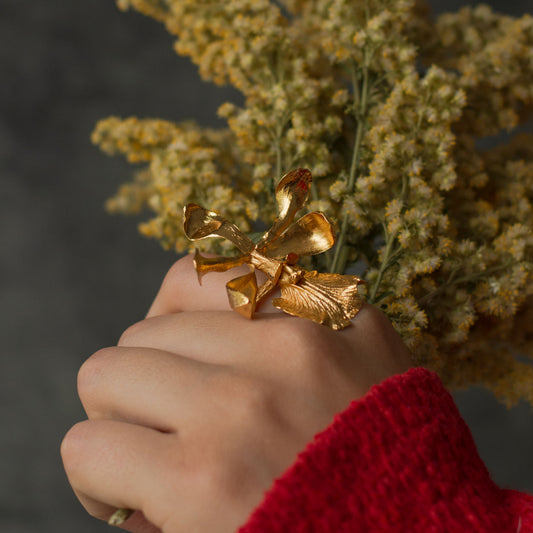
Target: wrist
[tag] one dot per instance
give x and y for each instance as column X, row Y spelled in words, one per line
column 400, row 456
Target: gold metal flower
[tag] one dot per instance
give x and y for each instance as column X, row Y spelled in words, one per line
column 329, row 299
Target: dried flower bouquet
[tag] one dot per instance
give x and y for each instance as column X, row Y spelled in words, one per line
column 386, row 108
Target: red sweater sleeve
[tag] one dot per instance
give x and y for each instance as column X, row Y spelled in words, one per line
column 401, row 459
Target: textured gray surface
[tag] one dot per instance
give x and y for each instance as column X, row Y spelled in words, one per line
column 72, row 277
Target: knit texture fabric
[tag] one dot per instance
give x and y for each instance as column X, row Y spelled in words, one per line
column 401, row 459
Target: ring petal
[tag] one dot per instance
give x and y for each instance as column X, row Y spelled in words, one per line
column 199, row 223
column 312, row 234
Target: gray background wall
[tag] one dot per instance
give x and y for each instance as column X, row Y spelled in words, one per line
column 72, row 277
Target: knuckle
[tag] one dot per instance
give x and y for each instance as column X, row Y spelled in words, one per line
column 381, row 337
column 375, row 318
column 72, row 443
column 172, row 286
column 176, row 273
column 379, row 326
column 131, row 334
column 91, row 370
column 303, row 345
column 293, row 333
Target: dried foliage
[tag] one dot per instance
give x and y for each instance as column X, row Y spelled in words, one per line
column 386, row 108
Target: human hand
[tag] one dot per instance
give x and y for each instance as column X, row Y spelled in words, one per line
column 197, row 410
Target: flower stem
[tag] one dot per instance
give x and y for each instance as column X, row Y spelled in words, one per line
column 387, row 254
column 340, row 257
column 467, row 278
column 279, row 163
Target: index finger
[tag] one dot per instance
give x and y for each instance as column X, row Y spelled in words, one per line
column 182, row 291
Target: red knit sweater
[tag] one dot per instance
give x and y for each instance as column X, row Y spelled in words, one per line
column 399, row 460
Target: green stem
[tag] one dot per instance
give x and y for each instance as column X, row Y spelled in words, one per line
column 276, row 75
column 361, row 124
column 338, row 263
column 387, row 255
column 450, row 282
column 279, row 163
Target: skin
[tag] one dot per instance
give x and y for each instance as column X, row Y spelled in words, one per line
column 197, row 410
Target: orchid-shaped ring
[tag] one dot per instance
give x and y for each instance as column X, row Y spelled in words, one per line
column 329, row 299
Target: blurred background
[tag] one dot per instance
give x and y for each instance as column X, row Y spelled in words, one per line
column 72, row 277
